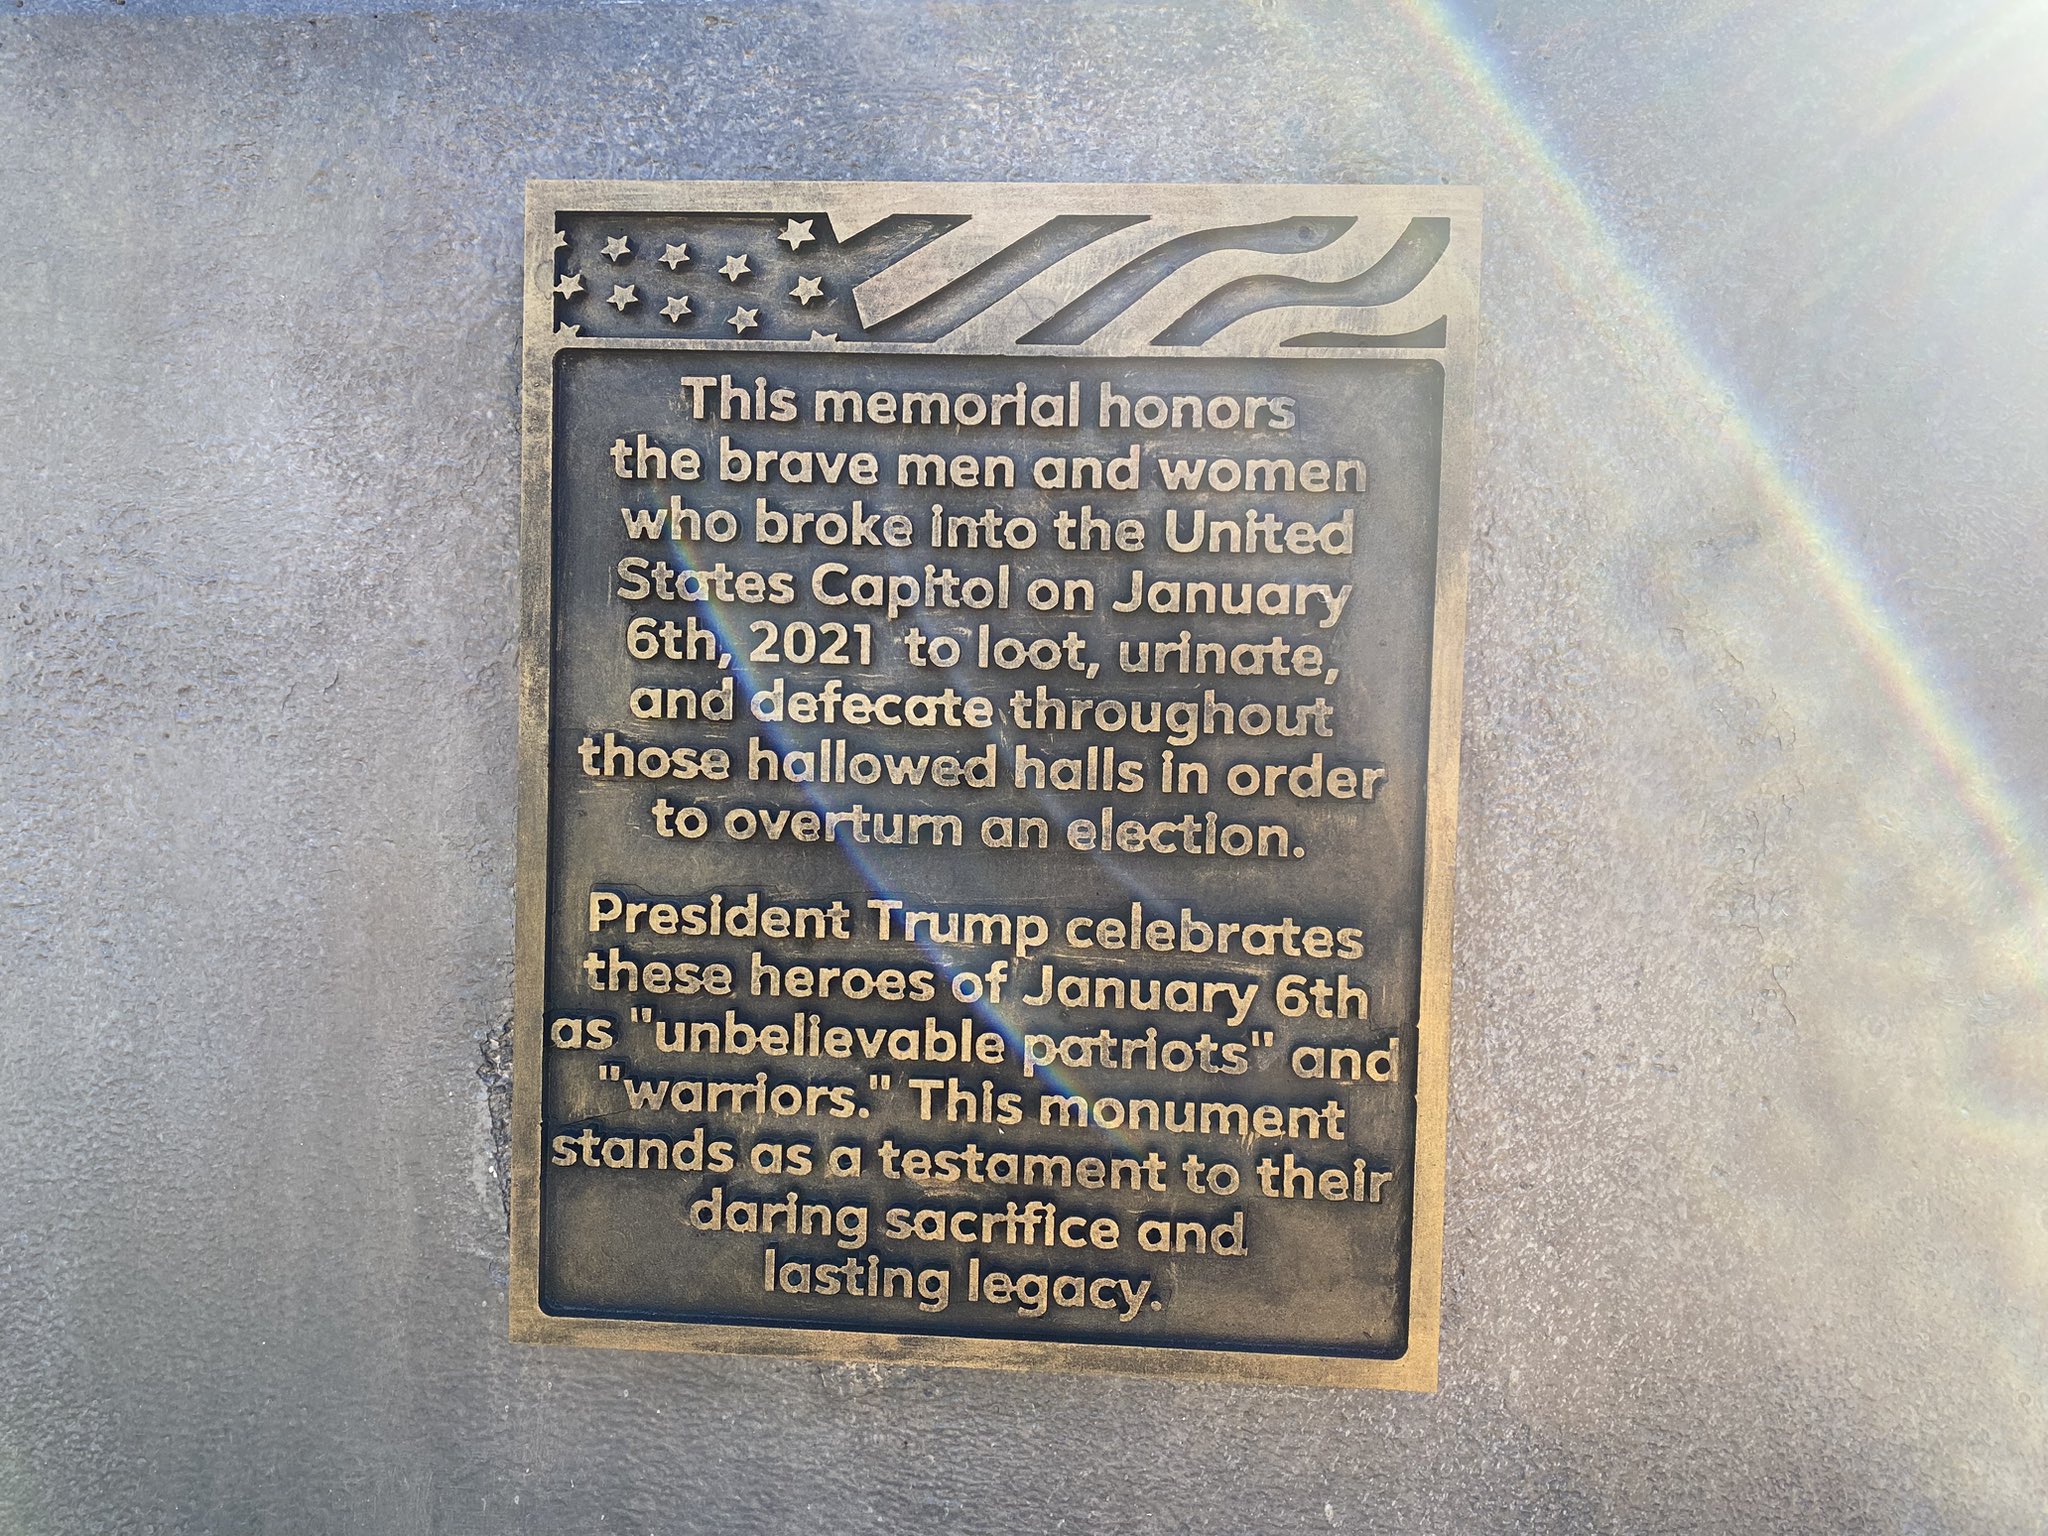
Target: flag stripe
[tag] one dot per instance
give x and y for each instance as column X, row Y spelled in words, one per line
column 1394, row 276
column 1094, row 309
column 958, row 300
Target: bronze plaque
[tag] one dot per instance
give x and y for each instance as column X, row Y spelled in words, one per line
column 988, row 771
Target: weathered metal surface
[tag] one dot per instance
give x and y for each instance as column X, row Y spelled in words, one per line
column 1045, row 604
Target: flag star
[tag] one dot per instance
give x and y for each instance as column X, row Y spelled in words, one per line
column 734, row 269
column 675, row 308
column 561, row 240
column 744, row 320
column 674, row 256
column 618, row 247
column 570, row 285
column 832, row 336
column 567, row 330
column 622, row 296
column 796, row 232
column 807, row 289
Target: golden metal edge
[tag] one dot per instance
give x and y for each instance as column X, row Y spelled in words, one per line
column 1446, row 725
column 1405, row 1373
column 1168, row 197
column 1417, row 1369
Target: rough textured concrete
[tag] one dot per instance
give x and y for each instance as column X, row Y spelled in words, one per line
column 1750, row 1112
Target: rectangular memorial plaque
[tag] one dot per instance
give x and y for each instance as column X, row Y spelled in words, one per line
column 988, row 772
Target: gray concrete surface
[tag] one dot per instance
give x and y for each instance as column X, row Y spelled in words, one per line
column 1750, row 1110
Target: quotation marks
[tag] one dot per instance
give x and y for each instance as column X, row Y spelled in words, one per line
column 878, row 1082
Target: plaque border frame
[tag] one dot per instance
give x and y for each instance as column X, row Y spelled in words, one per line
column 1415, row 1370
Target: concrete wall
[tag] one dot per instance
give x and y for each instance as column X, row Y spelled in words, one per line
column 1749, row 1107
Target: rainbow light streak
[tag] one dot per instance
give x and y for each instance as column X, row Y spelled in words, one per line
column 1617, row 301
